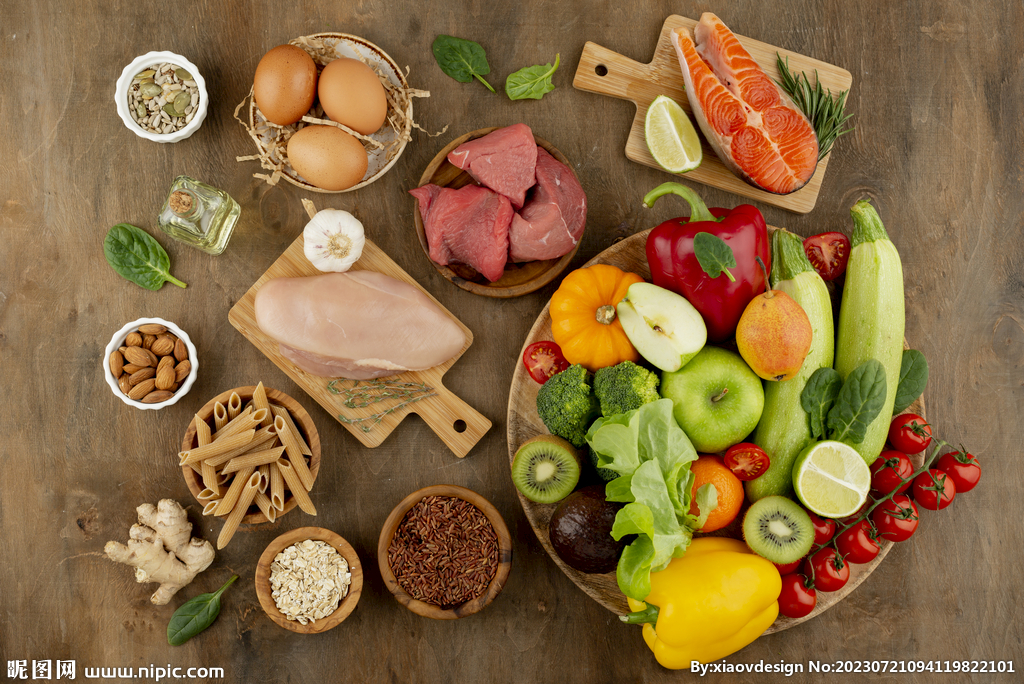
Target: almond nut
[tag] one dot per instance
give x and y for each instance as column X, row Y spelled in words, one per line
column 116, row 363
column 121, row 349
column 124, row 384
column 130, row 368
column 140, row 375
column 168, row 335
column 180, row 350
column 148, row 340
column 142, row 389
column 165, row 378
column 153, row 360
column 162, row 346
column 182, row 370
column 165, row 362
column 157, row 396
column 152, row 329
column 138, row 356
column 134, row 339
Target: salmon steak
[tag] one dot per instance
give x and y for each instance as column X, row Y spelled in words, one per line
column 753, row 125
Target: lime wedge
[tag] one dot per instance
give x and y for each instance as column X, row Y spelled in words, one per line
column 831, row 479
column 670, row 136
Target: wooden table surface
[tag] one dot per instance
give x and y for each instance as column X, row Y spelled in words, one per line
column 937, row 102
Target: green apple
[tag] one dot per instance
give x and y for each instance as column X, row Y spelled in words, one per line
column 662, row 325
column 717, row 400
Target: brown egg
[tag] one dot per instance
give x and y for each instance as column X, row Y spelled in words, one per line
column 327, row 157
column 351, row 94
column 285, row 84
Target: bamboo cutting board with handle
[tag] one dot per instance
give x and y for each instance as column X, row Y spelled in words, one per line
column 457, row 423
column 608, row 73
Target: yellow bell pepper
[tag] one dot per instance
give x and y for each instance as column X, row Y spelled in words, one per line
column 709, row 603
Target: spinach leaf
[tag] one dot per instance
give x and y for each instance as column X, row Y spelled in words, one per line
column 858, row 403
column 461, row 59
column 819, row 393
column 137, row 257
column 913, row 378
column 195, row 615
column 713, row 255
column 532, row 82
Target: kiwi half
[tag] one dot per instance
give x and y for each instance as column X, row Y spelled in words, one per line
column 778, row 529
column 546, row 469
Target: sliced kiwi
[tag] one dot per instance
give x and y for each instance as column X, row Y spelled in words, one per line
column 778, row 529
column 546, row 469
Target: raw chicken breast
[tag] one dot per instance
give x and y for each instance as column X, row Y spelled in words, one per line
column 359, row 325
column 552, row 221
column 504, row 160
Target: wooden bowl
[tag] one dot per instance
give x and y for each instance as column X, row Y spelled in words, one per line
column 302, row 421
column 347, row 604
column 504, row 553
column 518, row 279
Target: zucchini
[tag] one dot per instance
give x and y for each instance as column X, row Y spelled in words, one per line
column 784, row 430
column 871, row 317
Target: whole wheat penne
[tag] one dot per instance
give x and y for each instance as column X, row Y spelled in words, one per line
column 230, row 497
column 243, row 421
column 253, row 458
column 220, row 415
column 195, row 467
column 203, row 436
column 283, row 412
column 210, row 479
column 264, row 471
column 265, row 506
column 210, row 507
column 276, row 487
column 295, row 485
column 234, row 405
column 263, row 439
column 249, row 492
column 224, row 478
column 259, row 400
column 217, row 448
column 291, row 448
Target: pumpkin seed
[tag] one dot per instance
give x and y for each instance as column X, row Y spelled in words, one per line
column 181, row 101
column 170, row 111
column 150, row 90
column 140, row 109
column 182, row 75
column 142, row 75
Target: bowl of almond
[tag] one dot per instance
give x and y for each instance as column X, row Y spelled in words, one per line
column 150, row 363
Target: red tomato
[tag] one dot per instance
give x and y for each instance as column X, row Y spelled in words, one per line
column 543, row 360
column 909, row 433
column 891, row 471
column 746, row 461
column 856, row 543
column 828, row 253
column 827, row 570
column 797, row 599
column 962, row 468
column 934, row 490
column 788, row 568
column 896, row 520
column 824, row 528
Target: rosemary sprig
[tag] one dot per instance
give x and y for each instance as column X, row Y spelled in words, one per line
column 366, row 393
column 825, row 111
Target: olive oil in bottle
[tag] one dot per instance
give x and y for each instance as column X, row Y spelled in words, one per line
column 199, row 215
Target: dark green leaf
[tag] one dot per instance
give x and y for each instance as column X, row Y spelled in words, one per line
column 913, row 378
column 713, row 255
column 195, row 615
column 858, row 403
column 461, row 59
column 531, row 82
column 819, row 393
column 137, row 257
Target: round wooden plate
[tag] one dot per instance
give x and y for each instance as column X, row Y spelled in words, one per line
column 518, row 279
column 524, row 423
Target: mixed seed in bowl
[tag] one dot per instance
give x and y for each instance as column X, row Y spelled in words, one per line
column 163, row 98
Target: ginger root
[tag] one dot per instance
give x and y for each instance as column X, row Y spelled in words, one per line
column 162, row 550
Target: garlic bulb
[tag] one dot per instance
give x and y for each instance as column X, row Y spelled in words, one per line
column 333, row 240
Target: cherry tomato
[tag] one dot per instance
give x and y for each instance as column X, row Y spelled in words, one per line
column 788, row 568
column 797, row 599
column 856, row 543
column 962, row 467
column 828, row 571
column 828, row 253
column 891, row 471
column 824, row 528
column 934, row 490
column 909, row 433
column 896, row 520
column 746, row 461
column 543, row 360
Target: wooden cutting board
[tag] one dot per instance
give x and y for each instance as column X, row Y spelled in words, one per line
column 457, row 423
column 608, row 73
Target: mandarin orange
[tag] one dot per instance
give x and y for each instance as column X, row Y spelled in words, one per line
column 711, row 470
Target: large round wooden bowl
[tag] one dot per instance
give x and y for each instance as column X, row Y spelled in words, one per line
column 524, row 423
column 302, row 421
column 518, row 279
column 347, row 604
column 462, row 610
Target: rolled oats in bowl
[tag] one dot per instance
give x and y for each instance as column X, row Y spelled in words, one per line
column 308, row 580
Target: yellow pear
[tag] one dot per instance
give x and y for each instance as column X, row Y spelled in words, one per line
column 774, row 335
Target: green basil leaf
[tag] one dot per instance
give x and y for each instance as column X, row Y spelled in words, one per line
column 858, row 403
column 195, row 615
column 713, row 255
column 913, row 378
column 817, row 398
column 461, row 59
column 137, row 257
column 532, row 82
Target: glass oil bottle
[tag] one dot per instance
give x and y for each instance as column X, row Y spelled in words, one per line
column 199, row 215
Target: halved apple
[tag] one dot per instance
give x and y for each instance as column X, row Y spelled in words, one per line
column 662, row 325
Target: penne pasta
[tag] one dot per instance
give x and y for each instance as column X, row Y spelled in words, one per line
column 203, row 436
column 195, row 467
column 276, row 487
column 223, row 478
column 283, row 412
column 264, row 504
column 217, row 448
column 264, row 471
column 244, row 421
column 249, row 491
column 295, row 485
column 234, row 405
column 234, row 491
column 294, row 452
column 220, row 415
column 210, row 507
column 252, row 458
column 263, row 439
column 236, row 421
column 259, row 400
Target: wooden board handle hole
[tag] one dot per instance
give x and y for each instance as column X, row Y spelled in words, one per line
column 459, row 426
column 601, row 70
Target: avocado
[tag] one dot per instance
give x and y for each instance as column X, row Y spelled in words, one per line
column 580, row 531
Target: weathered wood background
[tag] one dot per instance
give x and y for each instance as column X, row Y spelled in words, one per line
column 937, row 102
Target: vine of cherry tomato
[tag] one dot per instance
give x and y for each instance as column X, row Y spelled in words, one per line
column 857, row 545
column 797, row 599
column 828, row 570
column 910, row 433
column 896, row 520
column 962, row 467
column 934, row 489
column 890, row 472
column 824, row 528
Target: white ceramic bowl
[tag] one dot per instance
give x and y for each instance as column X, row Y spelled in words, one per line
column 116, row 342
column 143, row 62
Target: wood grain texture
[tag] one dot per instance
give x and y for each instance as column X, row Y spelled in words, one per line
column 605, row 72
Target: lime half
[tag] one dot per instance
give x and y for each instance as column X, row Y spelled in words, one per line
column 670, row 136
column 831, row 479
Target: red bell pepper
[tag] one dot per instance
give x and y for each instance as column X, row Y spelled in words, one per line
column 674, row 265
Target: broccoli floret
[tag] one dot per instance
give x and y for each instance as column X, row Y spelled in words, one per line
column 567, row 405
column 625, row 387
